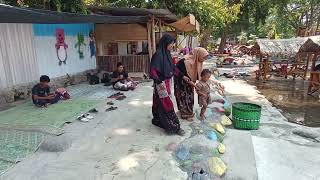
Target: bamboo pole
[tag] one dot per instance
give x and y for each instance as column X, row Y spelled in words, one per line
column 149, row 40
column 160, row 28
column 153, row 34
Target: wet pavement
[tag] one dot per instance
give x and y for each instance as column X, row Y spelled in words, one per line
column 291, row 98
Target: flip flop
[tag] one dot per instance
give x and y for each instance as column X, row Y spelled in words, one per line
column 112, row 108
column 88, row 116
column 110, row 103
column 120, row 98
column 94, row 110
column 82, row 119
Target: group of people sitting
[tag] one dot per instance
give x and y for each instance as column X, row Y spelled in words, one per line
column 189, row 77
column 42, row 95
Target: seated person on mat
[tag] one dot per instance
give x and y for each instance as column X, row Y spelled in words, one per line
column 121, row 80
column 41, row 95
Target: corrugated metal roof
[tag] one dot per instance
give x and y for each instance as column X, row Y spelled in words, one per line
column 10, row 14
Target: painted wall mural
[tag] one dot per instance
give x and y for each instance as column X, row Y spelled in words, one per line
column 80, row 45
column 92, row 44
column 61, row 46
column 55, row 44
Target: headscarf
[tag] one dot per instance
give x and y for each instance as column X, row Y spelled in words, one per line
column 162, row 60
column 193, row 66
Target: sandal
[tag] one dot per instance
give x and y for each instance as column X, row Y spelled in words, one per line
column 111, row 109
column 181, row 132
column 94, row 110
column 120, row 98
column 88, row 116
column 110, row 103
column 82, row 118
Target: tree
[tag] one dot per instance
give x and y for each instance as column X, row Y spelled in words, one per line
column 213, row 15
column 74, row 6
column 243, row 38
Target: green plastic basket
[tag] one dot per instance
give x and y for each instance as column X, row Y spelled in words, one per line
column 246, row 115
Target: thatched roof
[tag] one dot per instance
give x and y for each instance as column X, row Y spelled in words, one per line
column 311, row 45
column 275, row 47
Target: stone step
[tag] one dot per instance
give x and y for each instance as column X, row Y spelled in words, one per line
column 239, row 156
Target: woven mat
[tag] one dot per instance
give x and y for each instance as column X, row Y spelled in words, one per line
column 17, row 145
column 48, row 120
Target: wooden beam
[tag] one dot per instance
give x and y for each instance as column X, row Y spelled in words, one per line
column 160, row 28
column 153, row 34
column 149, row 41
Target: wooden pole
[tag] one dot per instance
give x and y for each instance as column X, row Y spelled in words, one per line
column 314, row 59
column 153, row 35
column 149, row 40
column 306, row 69
column 160, row 28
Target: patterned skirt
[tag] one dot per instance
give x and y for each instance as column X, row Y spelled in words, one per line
column 184, row 94
column 163, row 112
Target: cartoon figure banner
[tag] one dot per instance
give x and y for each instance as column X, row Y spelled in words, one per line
column 92, row 44
column 80, row 45
column 61, row 47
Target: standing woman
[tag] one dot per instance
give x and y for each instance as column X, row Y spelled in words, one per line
column 161, row 71
column 187, row 72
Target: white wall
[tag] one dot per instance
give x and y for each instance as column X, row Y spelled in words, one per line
column 18, row 64
column 48, row 62
column 122, row 48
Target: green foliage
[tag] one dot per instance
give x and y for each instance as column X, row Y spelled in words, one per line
column 243, row 38
column 74, row 6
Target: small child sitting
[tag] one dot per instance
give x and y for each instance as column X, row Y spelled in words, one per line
column 203, row 90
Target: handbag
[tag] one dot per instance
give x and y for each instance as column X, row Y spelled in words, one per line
column 163, row 93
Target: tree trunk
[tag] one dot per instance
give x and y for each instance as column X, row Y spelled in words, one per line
column 223, row 39
column 205, row 39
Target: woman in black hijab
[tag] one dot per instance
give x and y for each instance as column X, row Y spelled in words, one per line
column 161, row 71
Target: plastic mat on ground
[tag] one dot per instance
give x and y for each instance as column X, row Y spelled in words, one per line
column 48, row 120
column 16, row 145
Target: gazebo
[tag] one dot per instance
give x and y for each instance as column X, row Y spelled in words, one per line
column 311, row 49
column 277, row 55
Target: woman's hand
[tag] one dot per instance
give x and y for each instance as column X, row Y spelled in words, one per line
column 162, row 86
column 185, row 78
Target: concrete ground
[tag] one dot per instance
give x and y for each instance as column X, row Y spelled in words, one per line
column 122, row 144
column 282, row 150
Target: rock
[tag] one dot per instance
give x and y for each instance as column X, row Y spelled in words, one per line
column 183, row 153
column 212, row 136
column 171, row 147
column 215, row 152
column 2, row 100
column 225, row 120
column 217, row 166
column 196, row 167
column 218, row 127
column 199, row 141
column 221, row 148
column 56, row 144
column 9, row 96
column 157, row 149
column 307, row 133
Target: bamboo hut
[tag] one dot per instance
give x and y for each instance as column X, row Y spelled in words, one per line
column 134, row 43
column 311, row 49
column 280, row 57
